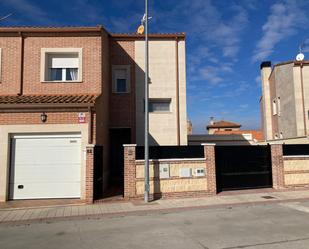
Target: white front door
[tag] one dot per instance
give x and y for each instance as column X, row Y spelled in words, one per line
column 45, row 166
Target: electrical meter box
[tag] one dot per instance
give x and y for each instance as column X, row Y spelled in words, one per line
column 185, row 172
column 199, row 172
column 164, row 171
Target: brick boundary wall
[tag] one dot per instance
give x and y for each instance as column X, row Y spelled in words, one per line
column 89, row 174
column 209, row 153
column 277, row 166
column 129, row 171
column 130, row 180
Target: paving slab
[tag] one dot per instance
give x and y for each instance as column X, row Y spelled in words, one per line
column 108, row 208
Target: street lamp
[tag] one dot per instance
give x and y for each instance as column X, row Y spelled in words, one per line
column 143, row 28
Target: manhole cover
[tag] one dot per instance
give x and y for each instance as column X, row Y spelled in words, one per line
column 268, row 197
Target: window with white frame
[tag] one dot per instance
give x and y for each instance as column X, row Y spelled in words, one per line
column 61, row 65
column 121, row 78
column 159, row 105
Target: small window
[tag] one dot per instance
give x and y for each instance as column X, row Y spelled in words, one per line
column 278, row 106
column 63, row 67
column 159, row 105
column 121, row 78
column 275, row 107
column 61, row 64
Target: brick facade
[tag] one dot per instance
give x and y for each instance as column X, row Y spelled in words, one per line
column 277, row 166
column 129, row 171
column 89, row 174
column 209, row 152
column 122, row 106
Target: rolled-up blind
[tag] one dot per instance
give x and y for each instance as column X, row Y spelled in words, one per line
column 57, row 61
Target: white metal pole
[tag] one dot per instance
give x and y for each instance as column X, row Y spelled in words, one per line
column 146, row 167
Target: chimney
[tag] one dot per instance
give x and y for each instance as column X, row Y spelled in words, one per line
column 266, row 101
column 211, row 122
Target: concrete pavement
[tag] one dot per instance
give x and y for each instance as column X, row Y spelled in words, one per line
column 270, row 225
column 120, row 208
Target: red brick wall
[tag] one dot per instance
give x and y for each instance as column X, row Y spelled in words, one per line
column 35, row 118
column 277, row 166
column 10, row 64
column 122, row 106
column 91, row 65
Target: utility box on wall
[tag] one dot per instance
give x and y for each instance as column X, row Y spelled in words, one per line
column 164, row 171
column 185, row 172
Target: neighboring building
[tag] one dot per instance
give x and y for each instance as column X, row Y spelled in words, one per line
column 222, row 126
column 222, row 139
column 254, row 135
column 285, row 100
column 189, row 127
column 70, row 97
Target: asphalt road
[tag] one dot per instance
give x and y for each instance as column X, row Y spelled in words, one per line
column 284, row 225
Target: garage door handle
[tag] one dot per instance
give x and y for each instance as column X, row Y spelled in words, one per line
column 20, row 186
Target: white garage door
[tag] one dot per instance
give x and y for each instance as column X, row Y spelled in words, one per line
column 45, row 166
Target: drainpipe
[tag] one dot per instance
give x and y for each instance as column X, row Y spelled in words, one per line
column 22, row 49
column 90, row 126
column 303, row 97
column 177, row 91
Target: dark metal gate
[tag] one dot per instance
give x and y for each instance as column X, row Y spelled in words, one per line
column 243, row 167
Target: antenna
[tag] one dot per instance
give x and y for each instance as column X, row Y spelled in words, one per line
column 300, row 56
column 5, row 17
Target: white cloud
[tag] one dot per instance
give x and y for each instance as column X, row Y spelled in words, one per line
column 28, row 9
column 284, row 21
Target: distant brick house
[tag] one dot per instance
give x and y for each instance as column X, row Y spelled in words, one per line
column 71, row 96
column 222, row 125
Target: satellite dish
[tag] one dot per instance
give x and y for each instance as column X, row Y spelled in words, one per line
column 140, row 30
column 300, row 57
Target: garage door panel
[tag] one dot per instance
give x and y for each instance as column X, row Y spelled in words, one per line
column 50, row 190
column 45, row 167
column 47, row 173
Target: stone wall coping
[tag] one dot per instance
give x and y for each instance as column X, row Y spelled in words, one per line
column 90, row 145
column 129, row 145
column 276, row 142
column 297, row 156
column 208, row 144
column 172, row 159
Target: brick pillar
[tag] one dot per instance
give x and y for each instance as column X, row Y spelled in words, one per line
column 277, row 166
column 129, row 171
column 209, row 152
column 89, row 173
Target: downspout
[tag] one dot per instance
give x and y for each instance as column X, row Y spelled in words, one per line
column 22, row 49
column 90, row 138
column 177, row 91
column 303, row 97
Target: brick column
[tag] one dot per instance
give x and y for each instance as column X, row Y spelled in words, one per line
column 277, row 166
column 209, row 152
column 129, row 171
column 89, row 173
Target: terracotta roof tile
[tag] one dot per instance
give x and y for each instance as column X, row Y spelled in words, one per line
column 48, row 99
column 223, row 124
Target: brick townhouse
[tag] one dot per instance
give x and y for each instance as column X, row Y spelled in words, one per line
column 71, row 96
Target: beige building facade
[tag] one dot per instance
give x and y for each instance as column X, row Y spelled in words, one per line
column 285, row 100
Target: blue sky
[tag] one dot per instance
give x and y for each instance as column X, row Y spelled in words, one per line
column 226, row 42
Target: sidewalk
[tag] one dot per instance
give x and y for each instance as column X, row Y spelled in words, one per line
column 121, row 208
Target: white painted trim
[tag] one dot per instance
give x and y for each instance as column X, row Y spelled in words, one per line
column 172, row 159
column 297, row 156
column 208, row 144
column 45, row 51
column 129, row 145
column 51, row 135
